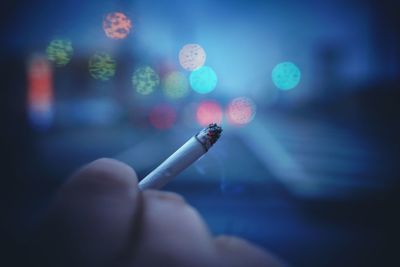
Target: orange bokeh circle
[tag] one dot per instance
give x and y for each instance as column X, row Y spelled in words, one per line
column 117, row 25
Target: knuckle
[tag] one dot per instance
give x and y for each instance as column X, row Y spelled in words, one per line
column 106, row 172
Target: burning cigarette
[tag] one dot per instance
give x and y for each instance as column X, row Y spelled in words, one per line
column 192, row 150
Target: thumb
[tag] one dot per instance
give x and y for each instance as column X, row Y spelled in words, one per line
column 93, row 218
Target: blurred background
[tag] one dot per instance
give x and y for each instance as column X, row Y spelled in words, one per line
column 307, row 93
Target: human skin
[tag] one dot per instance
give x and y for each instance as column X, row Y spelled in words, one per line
column 100, row 218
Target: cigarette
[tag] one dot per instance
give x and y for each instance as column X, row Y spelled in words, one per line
column 192, row 150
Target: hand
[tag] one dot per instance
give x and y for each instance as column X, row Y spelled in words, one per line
column 100, row 218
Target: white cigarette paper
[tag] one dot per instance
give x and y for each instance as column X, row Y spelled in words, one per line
column 192, row 150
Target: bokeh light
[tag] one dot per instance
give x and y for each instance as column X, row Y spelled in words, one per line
column 117, row 25
column 188, row 114
column 241, row 110
column 203, row 80
column 162, row 116
column 40, row 93
column 175, row 85
column 192, row 56
column 209, row 112
column 60, row 51
column 286, row 75
column 102, row 66
column 145, row 80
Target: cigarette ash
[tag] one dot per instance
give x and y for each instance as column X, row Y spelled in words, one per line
column 208, row 136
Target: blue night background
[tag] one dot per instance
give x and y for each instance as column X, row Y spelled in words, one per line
column 308, row 162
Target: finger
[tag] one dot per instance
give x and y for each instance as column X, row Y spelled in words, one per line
column 236, row 252
column 94, row 214
column 173, row 232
